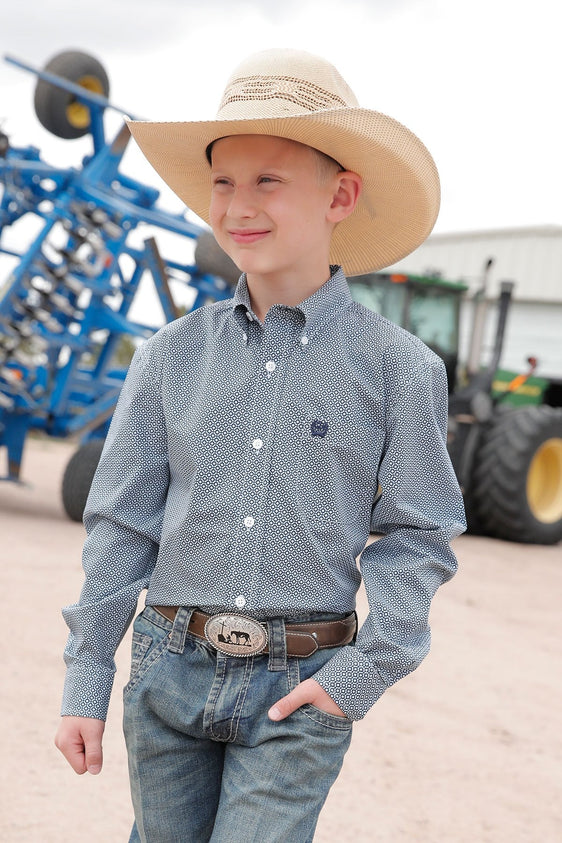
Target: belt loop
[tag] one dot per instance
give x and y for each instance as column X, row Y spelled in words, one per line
column 277, row 644
column 179, row 630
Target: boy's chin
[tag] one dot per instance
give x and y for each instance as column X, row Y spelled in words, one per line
column 243, row 259
column 251, row 266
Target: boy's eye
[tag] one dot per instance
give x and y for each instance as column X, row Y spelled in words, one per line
column 267, row 180
column 221, row 185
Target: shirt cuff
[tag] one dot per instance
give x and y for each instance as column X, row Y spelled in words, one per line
column 351, row 681
column 87, row 690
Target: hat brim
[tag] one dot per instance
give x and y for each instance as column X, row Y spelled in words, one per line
column 401, row 194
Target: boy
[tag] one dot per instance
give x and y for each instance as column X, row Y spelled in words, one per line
column 255, row 445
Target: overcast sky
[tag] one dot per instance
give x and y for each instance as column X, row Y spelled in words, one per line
column 478, row 81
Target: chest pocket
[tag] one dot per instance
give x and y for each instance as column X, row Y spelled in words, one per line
column 338, row 466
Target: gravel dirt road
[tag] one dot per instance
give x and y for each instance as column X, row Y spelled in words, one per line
column 468, row 749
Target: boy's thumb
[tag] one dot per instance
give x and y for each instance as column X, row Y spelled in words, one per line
column 93, row 754
column 94, row 761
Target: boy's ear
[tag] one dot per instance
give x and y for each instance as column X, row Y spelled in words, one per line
column 345, row 198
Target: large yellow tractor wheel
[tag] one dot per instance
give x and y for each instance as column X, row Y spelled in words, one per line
column 60, row 111
column 516, row 487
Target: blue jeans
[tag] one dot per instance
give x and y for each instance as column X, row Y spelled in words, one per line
column 205, row 761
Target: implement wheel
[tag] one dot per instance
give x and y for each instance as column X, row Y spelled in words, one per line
column 517, row 481
column 78, row 477
column 58, row 110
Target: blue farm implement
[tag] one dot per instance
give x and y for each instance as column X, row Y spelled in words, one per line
column 64, row 309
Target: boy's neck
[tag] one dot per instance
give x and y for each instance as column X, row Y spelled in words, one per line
column 290, row 290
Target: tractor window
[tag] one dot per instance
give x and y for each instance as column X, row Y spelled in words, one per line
column 434, row 318
column 381, row 295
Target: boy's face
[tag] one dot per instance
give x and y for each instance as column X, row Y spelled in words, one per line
column 270, row 207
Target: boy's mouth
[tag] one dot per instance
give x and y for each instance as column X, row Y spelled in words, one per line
column 248, row 235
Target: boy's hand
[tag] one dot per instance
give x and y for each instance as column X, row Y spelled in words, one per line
column 308, row 691
column 79, row 740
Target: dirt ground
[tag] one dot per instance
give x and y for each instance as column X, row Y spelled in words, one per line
column 468, row 749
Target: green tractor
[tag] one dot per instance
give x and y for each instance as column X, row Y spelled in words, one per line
column 505, row 428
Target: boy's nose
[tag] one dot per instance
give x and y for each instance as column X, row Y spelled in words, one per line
column 242, row 203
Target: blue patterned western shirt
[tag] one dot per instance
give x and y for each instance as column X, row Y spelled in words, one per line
column 246, row 465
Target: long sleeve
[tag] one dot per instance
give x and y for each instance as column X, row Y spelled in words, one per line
column 419, row 512
column 123, row 520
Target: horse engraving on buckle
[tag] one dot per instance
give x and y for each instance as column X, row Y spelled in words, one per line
column 236, row 635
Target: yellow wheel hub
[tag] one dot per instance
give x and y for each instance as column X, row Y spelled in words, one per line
column 78, row 114
column 544, row 482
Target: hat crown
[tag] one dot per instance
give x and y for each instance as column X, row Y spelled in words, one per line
column 281, row 83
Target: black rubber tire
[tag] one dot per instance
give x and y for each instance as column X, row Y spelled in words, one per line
column 78, row 477
column 52, row 103
column 461, row 441
column 210, row 259
column 499, row 492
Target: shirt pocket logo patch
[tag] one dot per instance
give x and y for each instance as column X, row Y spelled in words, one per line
column 319, row 428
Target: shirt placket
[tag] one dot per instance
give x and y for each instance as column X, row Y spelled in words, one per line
column 274, row 344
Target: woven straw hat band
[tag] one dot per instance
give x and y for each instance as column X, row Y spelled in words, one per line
column 290, row 86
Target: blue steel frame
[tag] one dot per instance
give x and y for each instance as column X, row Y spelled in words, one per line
column 64, row 308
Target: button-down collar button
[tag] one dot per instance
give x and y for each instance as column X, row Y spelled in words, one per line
column 257, row 444
column 249, row 521
column 270, row 366
column 240, row 601
column 249, row 316
column 304, row 340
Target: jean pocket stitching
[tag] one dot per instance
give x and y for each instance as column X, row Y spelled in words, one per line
column 324, row 718
column 146, row 663
column 140, row 645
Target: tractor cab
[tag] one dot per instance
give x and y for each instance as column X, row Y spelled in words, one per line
column 427, row 307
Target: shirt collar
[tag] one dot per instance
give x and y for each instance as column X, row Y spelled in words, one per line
column 330, row 297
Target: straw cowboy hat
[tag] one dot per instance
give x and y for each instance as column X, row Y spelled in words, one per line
column 295, row 95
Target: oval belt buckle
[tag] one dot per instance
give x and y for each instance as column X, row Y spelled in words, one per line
column 236, row 635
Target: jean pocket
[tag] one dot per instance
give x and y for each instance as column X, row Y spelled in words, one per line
column 149, row 642
column 324, row 718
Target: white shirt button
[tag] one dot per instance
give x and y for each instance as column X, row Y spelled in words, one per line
column 257, row 444
column 240, row 601
column 304, row 340
column 270, row 366
column 249, row 521
column 245, row 336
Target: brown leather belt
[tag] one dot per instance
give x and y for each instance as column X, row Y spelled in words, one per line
column 302, row 639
